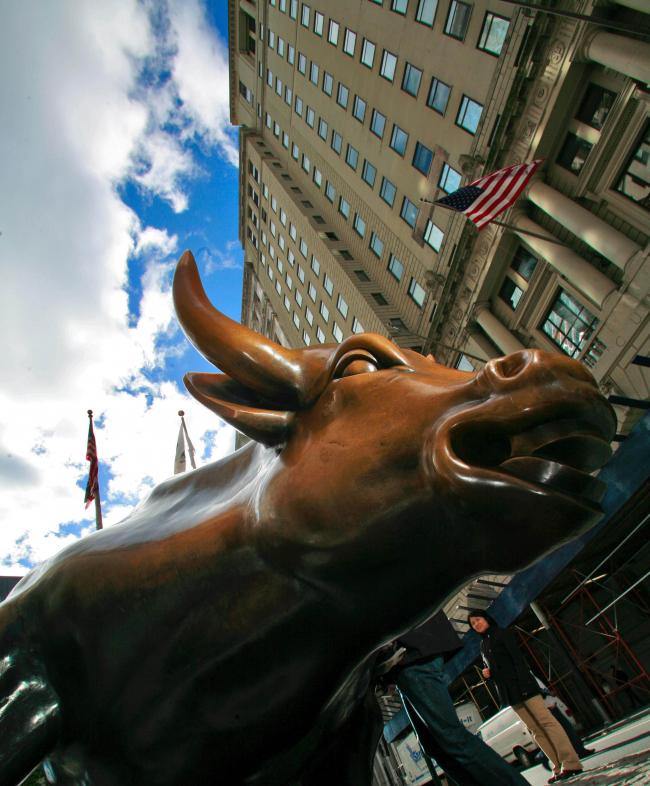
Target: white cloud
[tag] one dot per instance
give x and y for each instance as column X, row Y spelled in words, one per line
column 77, row 123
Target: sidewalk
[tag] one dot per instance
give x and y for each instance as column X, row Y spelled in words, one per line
column 622, row 757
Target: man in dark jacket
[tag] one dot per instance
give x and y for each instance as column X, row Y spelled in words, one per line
column 422, row 684
column 505, row 664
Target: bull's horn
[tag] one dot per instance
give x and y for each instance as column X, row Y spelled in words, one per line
column 278, row 374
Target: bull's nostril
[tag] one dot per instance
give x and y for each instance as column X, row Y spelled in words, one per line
column 511, row 365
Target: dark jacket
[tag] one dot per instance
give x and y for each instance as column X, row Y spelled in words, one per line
column 435, row 637
column 508, row 667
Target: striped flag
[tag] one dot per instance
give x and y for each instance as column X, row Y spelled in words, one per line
column 180, row 461
column 483, row 200
column 93, row 472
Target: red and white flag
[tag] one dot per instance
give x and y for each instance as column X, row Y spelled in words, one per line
column 93, row 472
column 483, row 200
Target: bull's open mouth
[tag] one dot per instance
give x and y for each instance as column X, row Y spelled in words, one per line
column 559, row 455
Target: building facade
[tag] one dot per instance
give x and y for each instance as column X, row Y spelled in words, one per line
column 355, row 116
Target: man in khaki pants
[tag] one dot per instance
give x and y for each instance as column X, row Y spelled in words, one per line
column 505, row 664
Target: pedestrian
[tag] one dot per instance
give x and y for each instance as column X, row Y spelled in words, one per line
column 421, row 681
column 507, row 667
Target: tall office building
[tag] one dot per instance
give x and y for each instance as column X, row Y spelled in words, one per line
column 352, row 112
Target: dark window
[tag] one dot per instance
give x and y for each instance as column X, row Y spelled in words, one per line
column 379, row 299
column 399, row 139
column 328, row 83
column 387, row 191
column 342, row 96
column 569, row 324
column 574, row 153
column 457, row 19
column 510, row 293
column 595, row 106
column 438, row 96
column 359, row 109
column 411, row 79
column 422, row 158
column 362, row 275
column 377, row 123
column 352, row 157
column 493, row 34
column 337, row 142
column 524, row 263
column 369, row 173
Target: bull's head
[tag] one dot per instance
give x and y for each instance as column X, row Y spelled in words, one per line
column 493, row 467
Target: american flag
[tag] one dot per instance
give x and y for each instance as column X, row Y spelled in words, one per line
column 483, row 200
column 93, row 472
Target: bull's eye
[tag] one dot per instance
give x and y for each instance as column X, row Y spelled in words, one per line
column 358, row 361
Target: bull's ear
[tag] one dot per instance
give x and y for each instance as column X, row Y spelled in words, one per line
column 240, row 407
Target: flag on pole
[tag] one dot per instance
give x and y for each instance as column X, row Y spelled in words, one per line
column 92, row 489
column 483, row 200
column 180, row 460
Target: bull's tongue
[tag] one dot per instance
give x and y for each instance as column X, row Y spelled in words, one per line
column 557, row 476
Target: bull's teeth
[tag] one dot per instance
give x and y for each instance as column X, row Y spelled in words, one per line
column 581, row 451
column 557, row 476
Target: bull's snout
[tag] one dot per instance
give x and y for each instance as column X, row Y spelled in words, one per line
column 533, row 367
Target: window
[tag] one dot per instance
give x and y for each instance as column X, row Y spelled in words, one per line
column 359, row 109
column 323, row 129
column 298, row 296
column 411, row 79
column 376, row 246
column 333, row 33
column 283, row 217
column 310, row 117
column 569, row 324
column 377, row 123
column 330, row 191
column 318, row 23
column 469, row 114
column 276, row 129
column 318, row 177
column 320, row 335
column 359, row 225
column 297, row 105
column 388, row 65
column 342, row 306
column 422, row 158
column 293, row 9
column 288, row 95
column 324, row 312
column 426, row 12
column 368, row 53
column 303, row 247
column 313, row 73
column 344, row 207
column 510, row 293
column 337, row 142
column 328, row 284
column 271, row 39
column 308, row 313
column 595, row 106
column 379, row 299
column 269, row 77
column 295, row 151
column 302, row 63
column 306, row 164
column 409, row 212
column 349, row 42
column 399, row 6
column 287, row 302
column 574, row 153
column 387, row 191
column 395, row 267
column 438, row 96
column 417, row 293
column 433, row 235
column 293, row 234
column 352, row 157
column 369, row 173
column 304, row 18
column 337, row 332
column 342, row 96
column 291, row 54
column 362, row 275
column 457, row 19
column 301, row 274
column 305, row 338
column 328, row 83
column 357, row 327
column 280, row 46
column 315, row 265
column 398, row 140
column 449, row 179
column 296, row 320
column 493, row 34
column 634, row 181
column 524, row 263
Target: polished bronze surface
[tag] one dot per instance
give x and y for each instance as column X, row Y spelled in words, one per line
column 222, row 633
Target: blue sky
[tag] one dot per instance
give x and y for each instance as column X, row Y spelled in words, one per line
column 117, row 154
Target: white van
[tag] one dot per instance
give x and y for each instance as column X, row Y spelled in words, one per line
column 507, row 734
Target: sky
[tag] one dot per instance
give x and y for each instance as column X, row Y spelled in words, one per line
column 117, row 154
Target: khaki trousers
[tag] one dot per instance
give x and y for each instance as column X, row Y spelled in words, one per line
column 548, row 734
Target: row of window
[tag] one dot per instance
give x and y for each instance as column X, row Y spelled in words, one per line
column 491, row 39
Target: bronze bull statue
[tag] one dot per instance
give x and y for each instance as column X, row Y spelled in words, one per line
column 221, row 634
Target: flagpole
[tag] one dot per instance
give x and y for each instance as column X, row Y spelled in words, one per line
column 500, row 223
column 98, row 504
